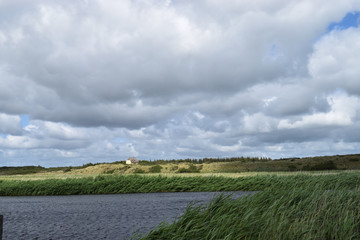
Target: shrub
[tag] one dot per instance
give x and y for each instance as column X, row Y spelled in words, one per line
column 139, row 170
column 68, row 169
column 111, row 171
column 192, row 169
column 328, row 165
column 292, row 167
column 20, row 170
column 88, row 165
column 155, row 169
column 123, row 169
column 183, row 170
column 174, row 168
column 354, row 160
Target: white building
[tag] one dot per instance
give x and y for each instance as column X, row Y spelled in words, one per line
column 132, row 160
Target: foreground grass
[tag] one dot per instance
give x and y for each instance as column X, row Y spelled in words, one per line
column 309, row 212
column 113, row 184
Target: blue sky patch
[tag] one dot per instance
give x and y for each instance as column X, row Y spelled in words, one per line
column 24, row 120
column 120, row 140
column 351, row 19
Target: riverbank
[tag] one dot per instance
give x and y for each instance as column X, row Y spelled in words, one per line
column 115, row 184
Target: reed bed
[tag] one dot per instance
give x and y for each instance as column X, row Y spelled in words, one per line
column 308, row 212
column 114, row 184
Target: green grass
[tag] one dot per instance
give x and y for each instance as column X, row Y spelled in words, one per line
column 112, row 184
column 309, row 212
column 288, row 207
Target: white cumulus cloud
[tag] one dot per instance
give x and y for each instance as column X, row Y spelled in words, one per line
column 105, row 80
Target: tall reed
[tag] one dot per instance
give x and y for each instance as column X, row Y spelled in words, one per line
column 109, row 184
column 308, row 212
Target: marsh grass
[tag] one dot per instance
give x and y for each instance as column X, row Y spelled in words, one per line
column 309, row 212
column 113, row 184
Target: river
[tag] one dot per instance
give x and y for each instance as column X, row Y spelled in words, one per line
column 93, row 216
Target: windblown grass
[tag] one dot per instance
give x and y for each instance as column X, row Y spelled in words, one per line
column 309, row 212
column 113, row 184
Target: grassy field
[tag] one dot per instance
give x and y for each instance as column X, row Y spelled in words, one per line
column 233, row 167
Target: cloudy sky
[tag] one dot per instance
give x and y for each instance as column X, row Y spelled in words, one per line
column 97, row 81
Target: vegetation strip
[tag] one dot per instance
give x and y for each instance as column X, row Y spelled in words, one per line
column 113, row 184
column 309, row 212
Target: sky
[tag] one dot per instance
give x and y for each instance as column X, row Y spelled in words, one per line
column 99, row 81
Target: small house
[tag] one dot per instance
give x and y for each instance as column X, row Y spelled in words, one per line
column 132, row 160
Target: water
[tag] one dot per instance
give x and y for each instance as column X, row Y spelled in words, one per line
column 92, row 216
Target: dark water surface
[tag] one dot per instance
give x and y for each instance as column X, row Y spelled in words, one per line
column 93, row 216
